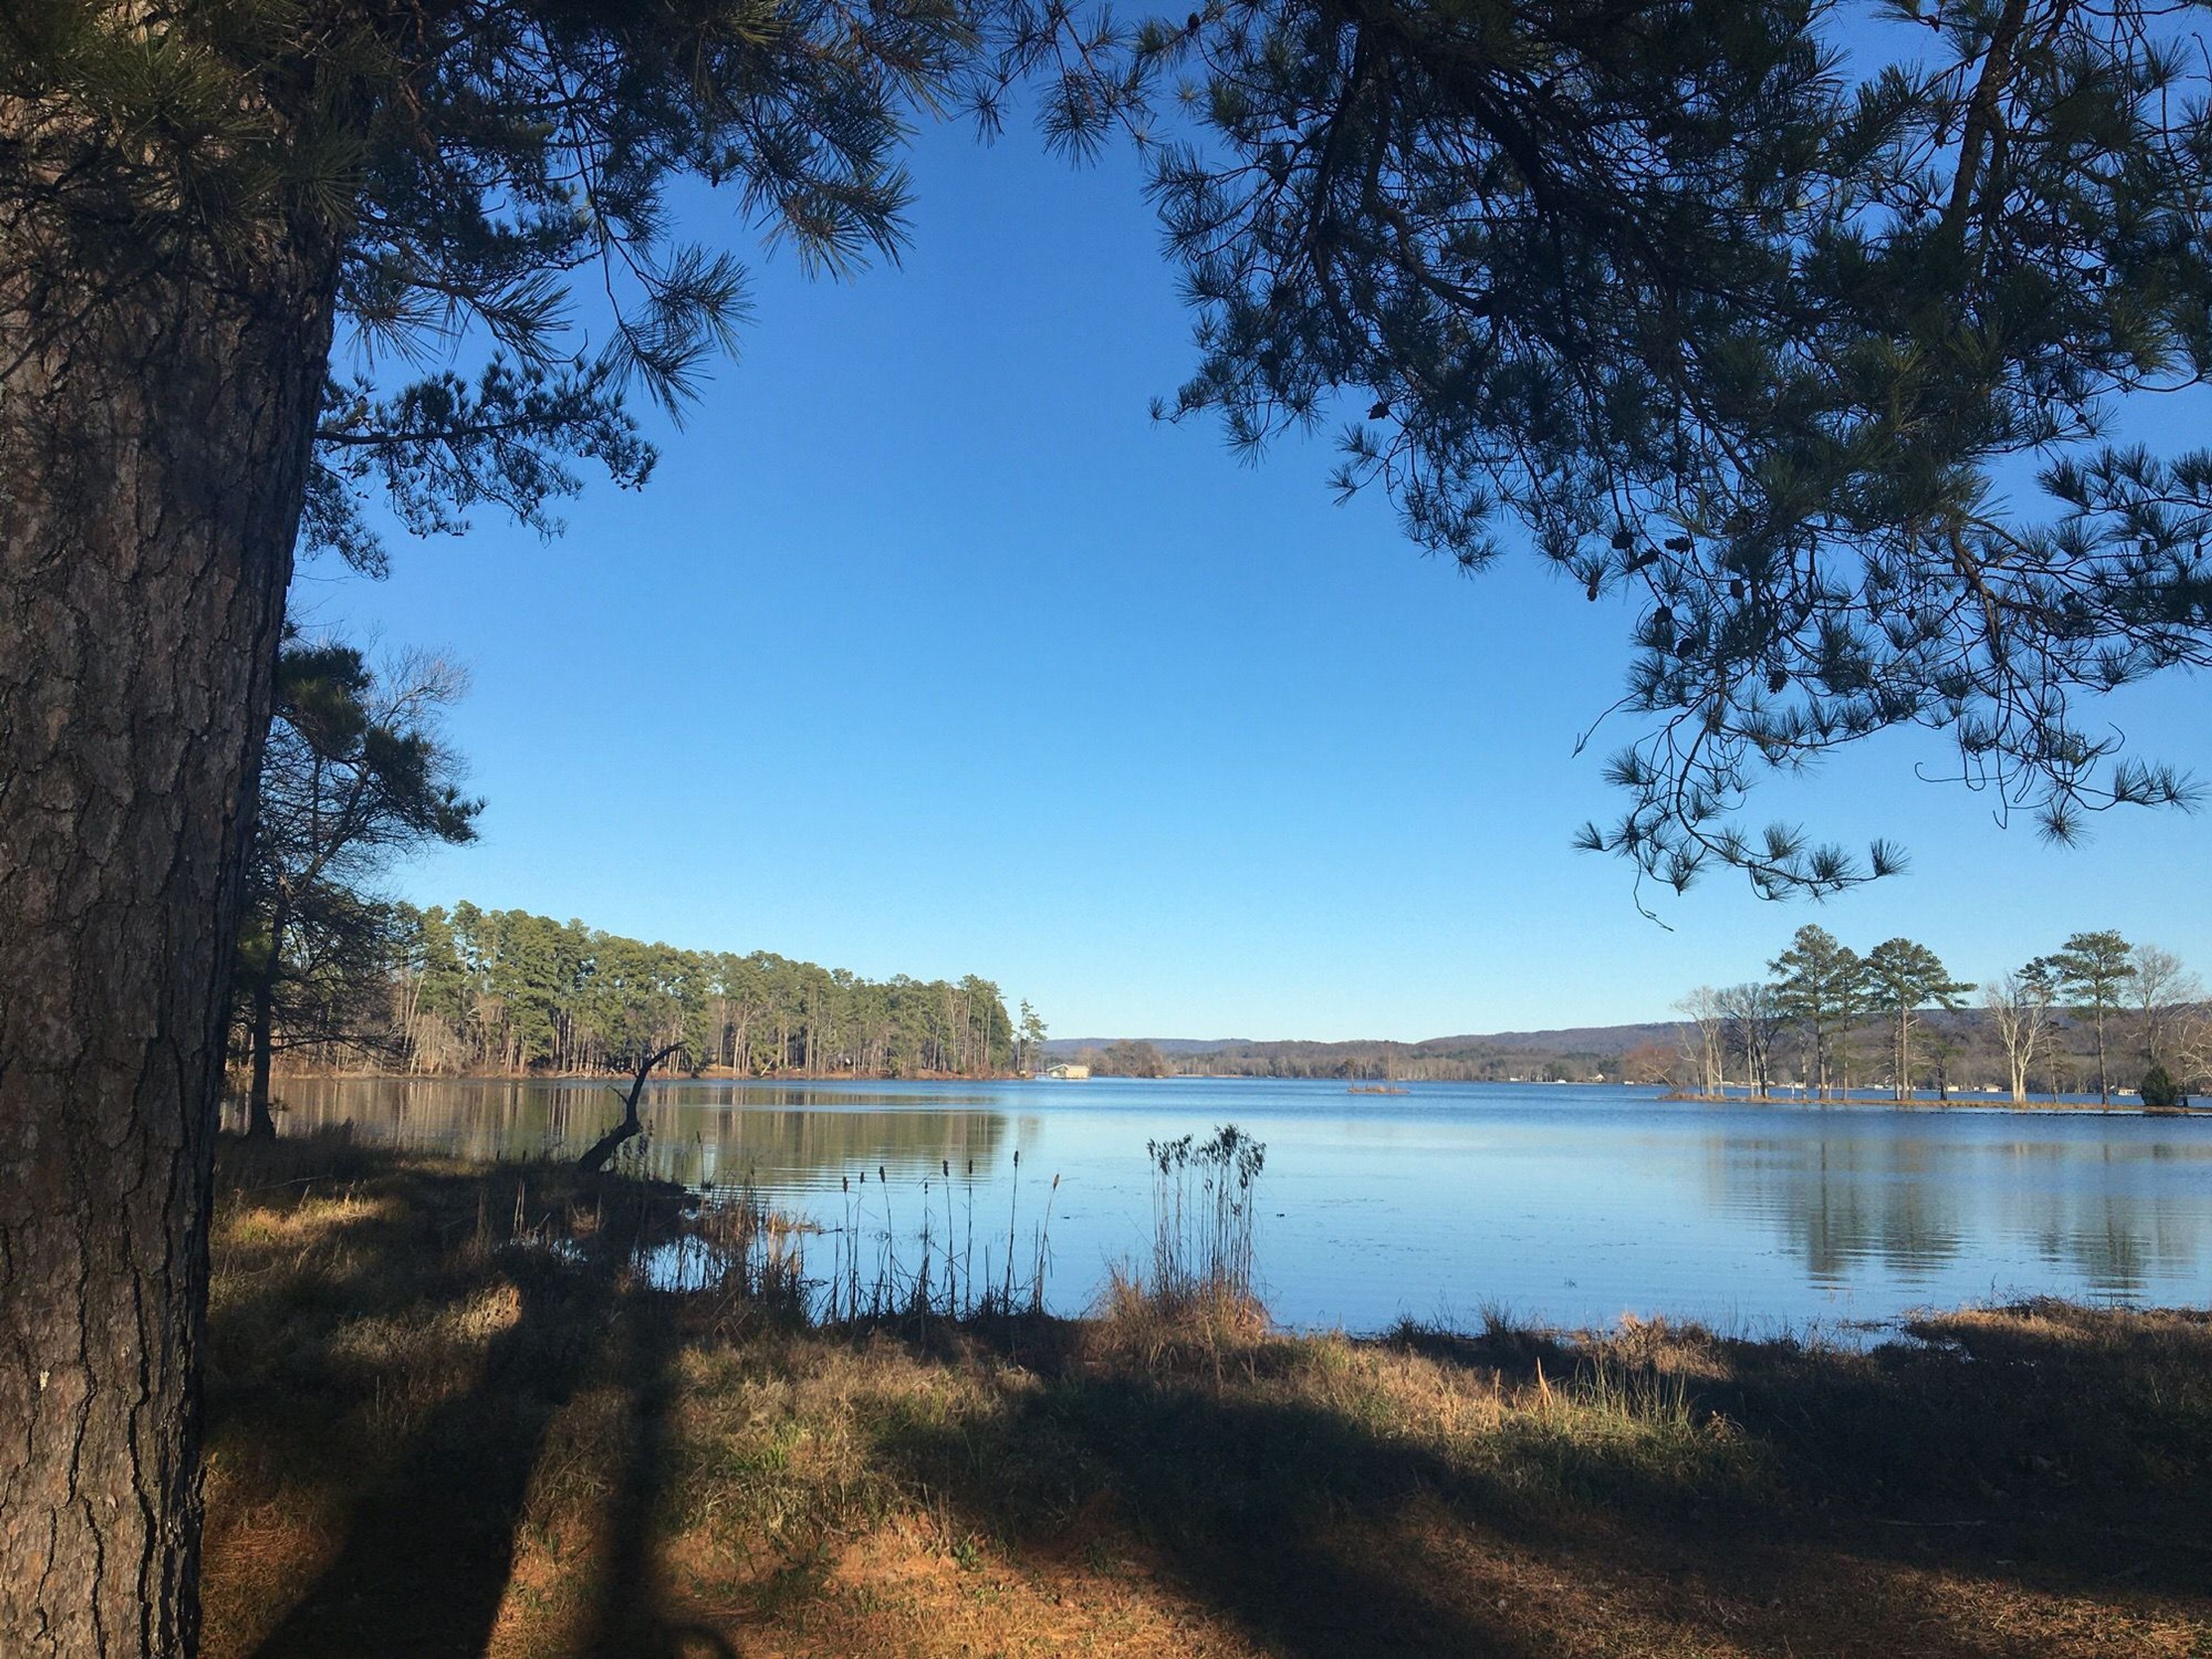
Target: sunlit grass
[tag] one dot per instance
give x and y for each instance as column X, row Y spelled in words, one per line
column 454, row 1409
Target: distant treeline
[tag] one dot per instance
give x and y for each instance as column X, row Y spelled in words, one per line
column 1439, row 1060
column 1963, row 1049
column 2096, row 1014
column 469, row 990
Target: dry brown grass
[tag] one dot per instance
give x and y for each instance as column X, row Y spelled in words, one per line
column 429, row 1438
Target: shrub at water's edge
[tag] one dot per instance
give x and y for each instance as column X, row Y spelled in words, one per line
column 2158, row 1091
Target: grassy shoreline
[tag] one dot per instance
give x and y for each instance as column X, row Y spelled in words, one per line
column 448, row 1415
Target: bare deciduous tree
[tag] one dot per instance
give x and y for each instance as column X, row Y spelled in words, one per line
column 2193, row 1048
column 2161, row 992
column 1704, row 1038
column 2018, row 1006
column 1751, row 1015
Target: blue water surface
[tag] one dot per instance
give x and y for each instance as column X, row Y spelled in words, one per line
column 1569, row 1204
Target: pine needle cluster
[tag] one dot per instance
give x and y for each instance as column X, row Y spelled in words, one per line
column 1760, row 339
column 492, row 173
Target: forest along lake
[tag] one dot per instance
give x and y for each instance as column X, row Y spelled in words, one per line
column 1559, row 1203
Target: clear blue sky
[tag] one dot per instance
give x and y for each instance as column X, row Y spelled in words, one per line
column 926, row 651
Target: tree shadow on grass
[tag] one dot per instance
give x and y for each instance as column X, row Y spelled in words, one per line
column 429, row 1549
column 1320, row 1534
column 432, row 1540
column 629, row 1618
column 2027, row 1448
column 1251, row 1505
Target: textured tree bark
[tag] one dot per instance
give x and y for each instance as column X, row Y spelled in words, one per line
column 154, row 431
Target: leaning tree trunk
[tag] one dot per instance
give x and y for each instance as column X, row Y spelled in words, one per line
column 157, row 416
column 596, row 1156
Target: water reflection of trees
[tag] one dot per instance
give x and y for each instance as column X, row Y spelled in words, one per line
column 812, row 1146
column 1905, row 1202
column 784, row 1137
column 1848, row 1202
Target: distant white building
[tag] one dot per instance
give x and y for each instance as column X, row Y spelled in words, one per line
column 1066, row 1073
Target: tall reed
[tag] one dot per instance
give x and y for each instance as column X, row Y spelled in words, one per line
column 738, row 1249
column 945, row 1282
column 1043, row 1249
column 1202, row 1216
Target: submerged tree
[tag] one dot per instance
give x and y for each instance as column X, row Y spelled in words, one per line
column 2020, row 1006
column 1819, row 985
column 1902, row 977
column 654, row 1010
column 1751, row 1017
column 2094, row 970
column 356, row 775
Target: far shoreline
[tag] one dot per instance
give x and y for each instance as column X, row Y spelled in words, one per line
column 1962, row 1101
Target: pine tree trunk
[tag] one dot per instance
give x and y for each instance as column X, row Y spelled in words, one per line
column 260, row 1122
column 155, row 432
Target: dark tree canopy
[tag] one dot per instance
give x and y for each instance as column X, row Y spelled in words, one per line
column 1767, row 340
column 356, row 775
column 485, row 172
column 1770, row 343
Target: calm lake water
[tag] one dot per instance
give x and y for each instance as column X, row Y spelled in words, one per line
column 1573, row 1205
